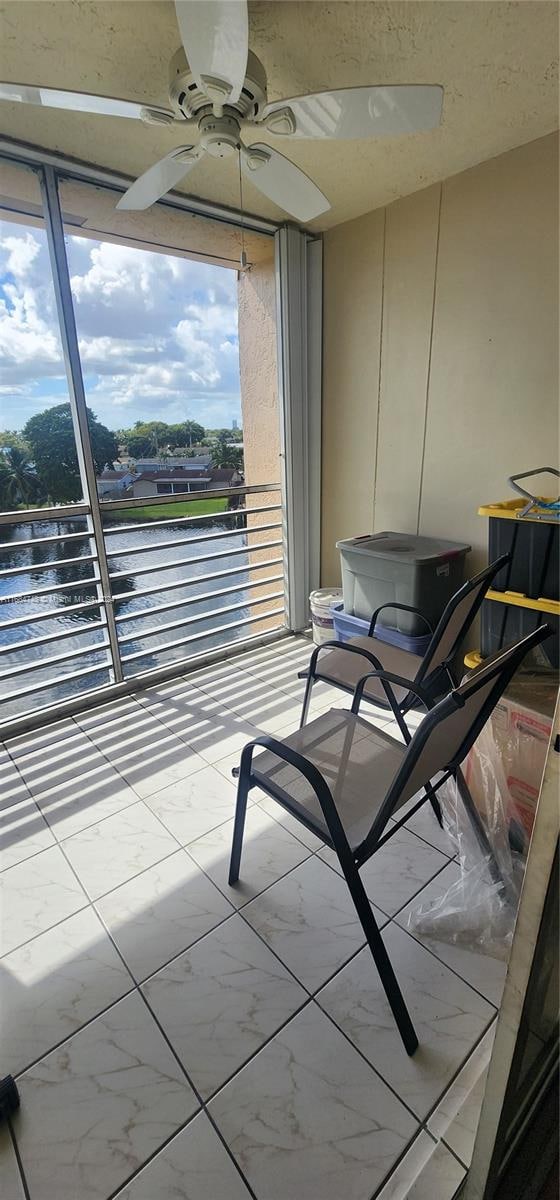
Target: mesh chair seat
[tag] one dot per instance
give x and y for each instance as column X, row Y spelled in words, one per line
column 345, row 670
column 357, row 761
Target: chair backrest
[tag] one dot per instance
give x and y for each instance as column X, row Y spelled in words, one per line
column 447, row 732
column 456, row 620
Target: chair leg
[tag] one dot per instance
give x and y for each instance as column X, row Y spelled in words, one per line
column 306, row 699
column 436, row 806
column 481, row 834
column 243, row 787
column 380, row 957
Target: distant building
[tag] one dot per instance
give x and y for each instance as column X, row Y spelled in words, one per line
column 199, row 463
column 178, row 481
column 234, row 424
column 111, row 484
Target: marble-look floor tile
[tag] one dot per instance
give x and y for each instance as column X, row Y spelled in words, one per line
column 221, row 1000
column 268, row 852
column 394, row 874
column 12, row 1187
column 106, row 855
column 484, row 973
column 427, row 1172
column 448, row 1016
column 226, row 735
column 58, row 764
column 39, row 739
column 13, row 790
column 195, row 805
column 309, row 920
column 36, row 894
column 457, row 1114
column 94, row 1110
column 425, row 825
column 53, row 985
column 275, row 810
column 117, row 712
column 308, row 1117
column 86, row 799
column 23, row 831
column 147, row 754
column 161, row 912
column 194, row 1166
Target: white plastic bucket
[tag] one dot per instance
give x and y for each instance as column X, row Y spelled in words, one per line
column 320, row 603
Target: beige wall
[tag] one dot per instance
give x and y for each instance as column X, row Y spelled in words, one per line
column 440, row 373
column 261, row 427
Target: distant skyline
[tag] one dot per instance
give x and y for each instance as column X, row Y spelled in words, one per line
column 158, row 334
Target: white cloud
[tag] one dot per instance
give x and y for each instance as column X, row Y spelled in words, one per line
column 22, row 252
column 158, row 335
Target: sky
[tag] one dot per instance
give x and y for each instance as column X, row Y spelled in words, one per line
column 158, row 334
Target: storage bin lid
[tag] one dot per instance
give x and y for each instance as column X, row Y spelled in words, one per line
column 406, row 547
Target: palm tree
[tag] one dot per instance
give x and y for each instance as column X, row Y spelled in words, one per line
column 18, row 480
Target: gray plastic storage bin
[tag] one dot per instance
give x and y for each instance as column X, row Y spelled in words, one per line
column 383, row 567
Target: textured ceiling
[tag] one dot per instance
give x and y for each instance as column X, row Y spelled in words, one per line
column 496, row 62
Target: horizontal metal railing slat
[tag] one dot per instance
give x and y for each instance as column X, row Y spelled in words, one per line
column 51, row 637
column 181, row 583
column 54, row 564
column 79, row 584
column 209, row 494
column 49, row 683
column 41, row 663
column 189, row 562
column 44, row 541
column 196, row 637
column 244, row 579
column 207, row 616
column 187, row 542
column 143, row 613
column 66, row 610
column 200, row 518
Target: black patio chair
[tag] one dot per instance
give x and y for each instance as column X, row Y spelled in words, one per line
column 343, row 663
column 343, row 779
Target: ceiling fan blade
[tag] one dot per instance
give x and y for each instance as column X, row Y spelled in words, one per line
column 158, row 180
column 106, row 106
column 360, row 112
column 215, row 36
column 283, row 182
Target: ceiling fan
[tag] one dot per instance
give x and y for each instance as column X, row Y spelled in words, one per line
column 217, row 93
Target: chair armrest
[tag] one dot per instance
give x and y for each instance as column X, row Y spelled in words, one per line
column 306, row 768
column 387, row 678
column 405, row 608
column 336, row 645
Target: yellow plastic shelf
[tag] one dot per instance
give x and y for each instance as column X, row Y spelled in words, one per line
column 552, row 607
column 472, row 659
column 510, row 510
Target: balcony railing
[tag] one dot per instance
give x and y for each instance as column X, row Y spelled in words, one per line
column 219, row 577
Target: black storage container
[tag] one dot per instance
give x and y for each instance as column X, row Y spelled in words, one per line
column 503, row 623
column 534, row 544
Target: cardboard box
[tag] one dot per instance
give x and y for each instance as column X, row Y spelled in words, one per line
column 506, row 763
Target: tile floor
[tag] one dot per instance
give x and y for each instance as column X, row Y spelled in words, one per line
column 175, row 1037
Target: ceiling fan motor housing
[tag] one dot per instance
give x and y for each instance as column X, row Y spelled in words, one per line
column 220, row 136
column 188, row 99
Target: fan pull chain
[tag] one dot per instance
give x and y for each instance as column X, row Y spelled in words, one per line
column 243, row 258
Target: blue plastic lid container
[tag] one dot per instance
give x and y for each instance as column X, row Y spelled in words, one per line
column 346, row 627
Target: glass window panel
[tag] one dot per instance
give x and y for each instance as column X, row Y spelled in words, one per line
column 47, row 603
column 179, row 358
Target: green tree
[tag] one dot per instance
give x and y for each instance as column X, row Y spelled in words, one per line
column 187, row 433
column 10, row 439
column 18, row 480
column 224, row 455
column 51, row 437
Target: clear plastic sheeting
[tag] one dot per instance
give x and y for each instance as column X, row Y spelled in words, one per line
column 503, row 773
